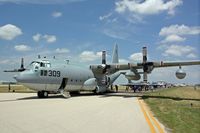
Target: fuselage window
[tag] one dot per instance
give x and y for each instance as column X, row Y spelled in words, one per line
column 48, row 65
column 45, row 72
column 45, row 64
column 42, row 64
column 41, row 72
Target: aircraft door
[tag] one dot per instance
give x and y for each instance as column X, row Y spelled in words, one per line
column 63, row 84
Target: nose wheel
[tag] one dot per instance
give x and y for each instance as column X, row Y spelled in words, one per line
column 42, row 94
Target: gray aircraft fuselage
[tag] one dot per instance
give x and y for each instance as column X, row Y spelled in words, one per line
column 44, row 75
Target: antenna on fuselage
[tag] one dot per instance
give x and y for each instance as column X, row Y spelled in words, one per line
column 39, row 57
column 67, row 61
column 54, row 57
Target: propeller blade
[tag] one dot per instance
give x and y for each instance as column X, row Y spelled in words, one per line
column 145, row 77
column 22, row 63
column 144, row 53
column 145, row 64
column 103, row 57
column 15, row 70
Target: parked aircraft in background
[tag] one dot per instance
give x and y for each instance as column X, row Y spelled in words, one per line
column 53, row 76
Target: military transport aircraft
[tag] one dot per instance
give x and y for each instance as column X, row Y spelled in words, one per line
column 48, row 76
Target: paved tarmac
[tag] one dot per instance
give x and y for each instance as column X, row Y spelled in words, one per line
column 25, row 113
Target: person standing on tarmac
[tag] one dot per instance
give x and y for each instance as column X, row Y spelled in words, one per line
column 116, row 87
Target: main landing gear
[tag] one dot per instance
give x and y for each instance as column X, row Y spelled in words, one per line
column 42, row 94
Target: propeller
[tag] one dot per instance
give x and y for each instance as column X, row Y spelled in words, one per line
column 104, row 65
column 145, row 65
column 21, row 69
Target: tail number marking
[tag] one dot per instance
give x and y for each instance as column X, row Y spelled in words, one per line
column 54, row 73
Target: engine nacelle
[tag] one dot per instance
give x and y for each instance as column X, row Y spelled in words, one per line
column 132, row 76
column 180, row 74
column 148, row 67
column 90, row 84
column 101, row 67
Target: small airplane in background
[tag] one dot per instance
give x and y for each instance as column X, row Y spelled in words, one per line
column 47, row 76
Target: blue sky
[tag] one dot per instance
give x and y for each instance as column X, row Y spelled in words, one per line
column 79, row 29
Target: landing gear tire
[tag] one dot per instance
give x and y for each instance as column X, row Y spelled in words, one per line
column 42, row 94
column 39, row 94
column 45, row 94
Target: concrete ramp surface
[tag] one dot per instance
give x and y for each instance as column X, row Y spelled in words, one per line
column 25, row 113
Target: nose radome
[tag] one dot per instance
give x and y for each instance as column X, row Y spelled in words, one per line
column 17, row 77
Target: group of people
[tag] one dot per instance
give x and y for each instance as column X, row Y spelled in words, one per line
column 116, row 88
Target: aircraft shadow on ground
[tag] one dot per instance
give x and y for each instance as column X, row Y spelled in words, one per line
column 36, row 98
column 124, row 95
column 120, row 94
column 141, row 96
column 168, row 97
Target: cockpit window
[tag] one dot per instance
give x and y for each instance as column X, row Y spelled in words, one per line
column 47, row 65
column 37, row 65
column 42, row 64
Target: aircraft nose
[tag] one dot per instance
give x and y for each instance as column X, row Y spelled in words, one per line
column 24, row 77
column 18, row 77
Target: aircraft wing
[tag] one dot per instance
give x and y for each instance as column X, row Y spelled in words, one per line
column 162, row 64
column 175, row 63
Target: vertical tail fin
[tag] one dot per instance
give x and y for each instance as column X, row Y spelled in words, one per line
column 115, row 54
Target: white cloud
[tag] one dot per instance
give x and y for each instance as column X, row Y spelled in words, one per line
column 174, row 38
column 50, row 38
column 191, row 55
column 9, row 32
column 62, row 50
column 115, row 33
column 105, row 16
column 37, row 37
column 177, row 50
column 147, row 7
column 56, row 14
column 89, row 56
column 174, row 33
column 179, row 30
column 22, row 48
column 136, row 57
